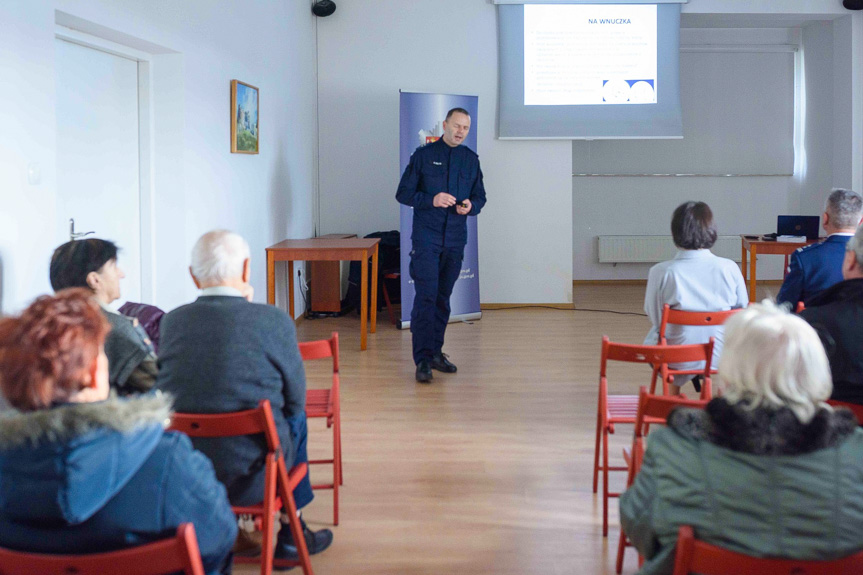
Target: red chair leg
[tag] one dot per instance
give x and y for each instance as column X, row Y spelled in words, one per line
column 337, row 467
column 338, row 437
column 387, row 300
column 269, row 515
column 596, row 451
column 605, row 470
column 621, row 548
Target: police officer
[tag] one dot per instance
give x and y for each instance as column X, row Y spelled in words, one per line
column 443, row 184
column 816, row 267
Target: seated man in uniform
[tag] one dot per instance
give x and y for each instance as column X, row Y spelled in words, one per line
column 837, row 314
column 92, row 263
column 816, row 267
column 223, row 353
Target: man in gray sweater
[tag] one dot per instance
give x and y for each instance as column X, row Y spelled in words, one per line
column 223, row 353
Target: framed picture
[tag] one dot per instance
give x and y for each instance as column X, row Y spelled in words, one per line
column 244, row 118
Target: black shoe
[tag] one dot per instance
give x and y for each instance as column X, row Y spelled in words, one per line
column 316, row 541
column 424, row 374
column 441, row 363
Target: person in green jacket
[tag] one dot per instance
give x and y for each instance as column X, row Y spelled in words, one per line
column 768, row 469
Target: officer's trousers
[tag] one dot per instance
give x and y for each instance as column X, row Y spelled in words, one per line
column 434, row 270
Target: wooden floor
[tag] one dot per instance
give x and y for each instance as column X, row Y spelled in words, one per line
column 484, row 471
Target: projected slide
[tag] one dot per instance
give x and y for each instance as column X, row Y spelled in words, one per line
column 589, row 54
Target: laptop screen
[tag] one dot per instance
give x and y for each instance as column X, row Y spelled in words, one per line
column 799, row 226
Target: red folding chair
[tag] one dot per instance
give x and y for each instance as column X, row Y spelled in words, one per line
column 694, row 318
column 614, row 409
column 179, row 553
column 694, row 556
column 326, row 403
column 652, row 409
column 279, row 484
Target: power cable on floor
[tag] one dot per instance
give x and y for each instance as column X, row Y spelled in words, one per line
column 566, row 309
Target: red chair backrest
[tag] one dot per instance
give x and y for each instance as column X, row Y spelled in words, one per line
column 694, row 556
column 653, row 410
column 320, row 349
column 248, row 422
column 681, row 317
column 179, row 553
column 655, row 354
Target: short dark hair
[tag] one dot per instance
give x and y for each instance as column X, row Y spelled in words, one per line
column 692, row 226
column 457, row 111
column 73, row 261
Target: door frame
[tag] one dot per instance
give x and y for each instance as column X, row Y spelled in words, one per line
column 146, row 129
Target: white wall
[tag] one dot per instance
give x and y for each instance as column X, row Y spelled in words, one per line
column 367, row 51
column 199, row 184
column 711, row 98
column 741, row 205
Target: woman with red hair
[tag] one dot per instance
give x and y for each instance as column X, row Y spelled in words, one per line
column 83, row 472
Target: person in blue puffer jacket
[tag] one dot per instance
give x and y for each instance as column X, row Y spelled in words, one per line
column 82, row 472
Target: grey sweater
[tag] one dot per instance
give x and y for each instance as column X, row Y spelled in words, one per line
column 222, row 354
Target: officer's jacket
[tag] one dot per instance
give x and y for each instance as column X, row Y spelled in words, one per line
column 812, row 269
column 436, row 168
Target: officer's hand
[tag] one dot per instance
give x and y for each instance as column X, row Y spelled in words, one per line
column 443, row 200
column 464, row 210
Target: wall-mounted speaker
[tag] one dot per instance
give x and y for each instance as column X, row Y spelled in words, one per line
column 323, row 8
column 853, row 4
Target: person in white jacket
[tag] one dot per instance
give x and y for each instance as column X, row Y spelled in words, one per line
column 695, row 280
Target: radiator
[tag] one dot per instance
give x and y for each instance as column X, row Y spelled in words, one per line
column 653, row 249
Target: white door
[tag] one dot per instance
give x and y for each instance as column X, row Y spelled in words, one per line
column 98, row 181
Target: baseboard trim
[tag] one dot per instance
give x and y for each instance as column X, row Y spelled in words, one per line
column 609, row 282
column 644, row 282
column 562, row 306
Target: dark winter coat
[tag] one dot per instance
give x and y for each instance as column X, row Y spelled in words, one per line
column 837, row 316
column 754, row 481
column 89, row 477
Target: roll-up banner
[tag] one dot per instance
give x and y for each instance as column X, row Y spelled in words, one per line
column 421, row 119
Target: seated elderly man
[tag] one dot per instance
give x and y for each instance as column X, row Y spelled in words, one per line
column 816, row 267
column 223, row 353
column 92, row 264
column 837, row 314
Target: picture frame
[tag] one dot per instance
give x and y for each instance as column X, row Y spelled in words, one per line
column 245, row 129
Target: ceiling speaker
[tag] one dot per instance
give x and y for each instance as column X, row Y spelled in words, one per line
column 853, row 4
column 326, row 7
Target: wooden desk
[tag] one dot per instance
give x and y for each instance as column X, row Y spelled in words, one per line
column 328, row 250
column 759, row 246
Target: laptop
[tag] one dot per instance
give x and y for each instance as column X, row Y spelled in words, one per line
column 799, row 226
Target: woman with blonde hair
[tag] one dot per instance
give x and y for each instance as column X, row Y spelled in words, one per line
column 767, row 469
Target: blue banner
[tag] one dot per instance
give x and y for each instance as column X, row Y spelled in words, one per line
column 421, row 118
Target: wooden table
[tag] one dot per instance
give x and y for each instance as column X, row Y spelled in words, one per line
column 328, row 250
column 755, row 247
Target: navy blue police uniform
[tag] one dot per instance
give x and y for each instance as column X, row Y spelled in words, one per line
column 812, row 269
column 439, row 234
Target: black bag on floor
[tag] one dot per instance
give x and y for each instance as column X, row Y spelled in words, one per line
column 389, row 260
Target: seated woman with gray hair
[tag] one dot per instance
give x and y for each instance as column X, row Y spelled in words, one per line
column 768, row 469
